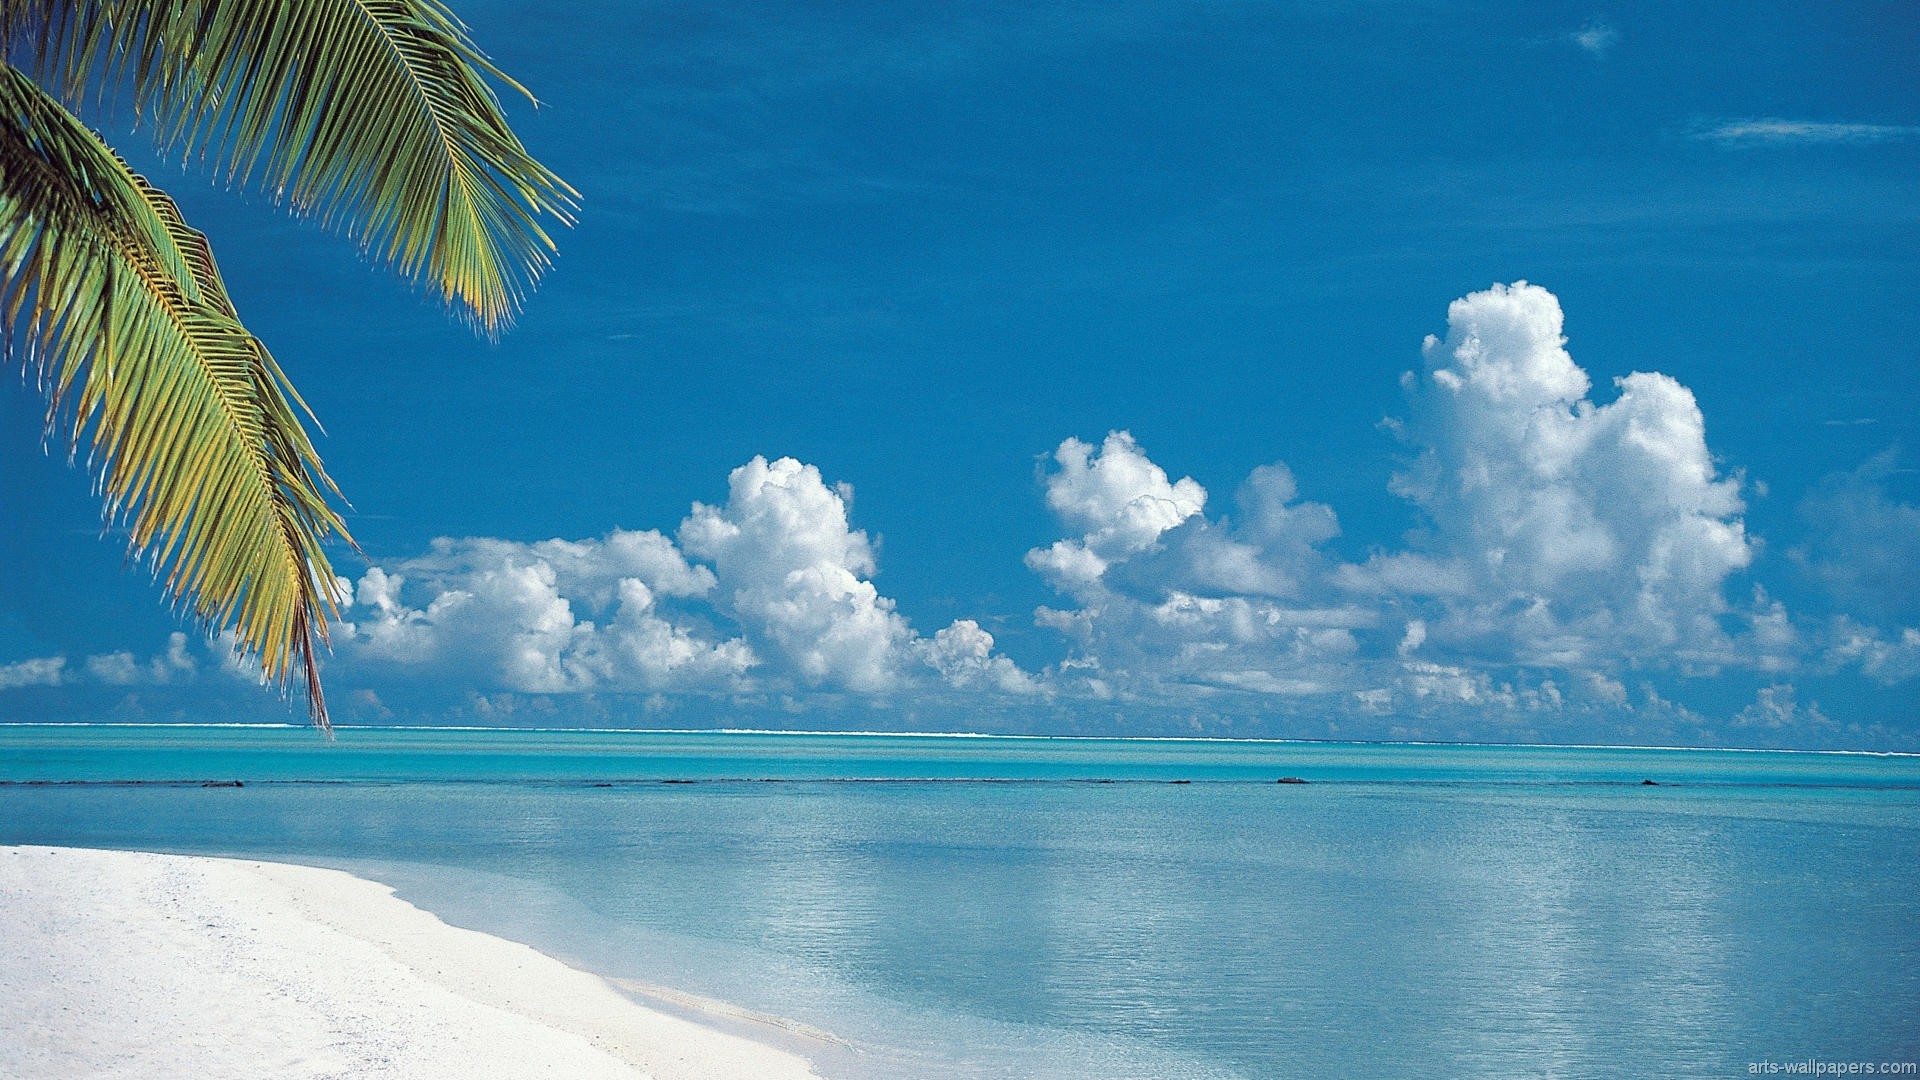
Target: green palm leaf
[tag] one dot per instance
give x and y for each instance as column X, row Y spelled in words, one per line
column 374, row 115
column 116, row 305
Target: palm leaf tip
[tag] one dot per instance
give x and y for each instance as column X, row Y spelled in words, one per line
column 375, row 116
column 115, row 305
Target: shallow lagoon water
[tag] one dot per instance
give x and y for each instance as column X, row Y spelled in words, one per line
column 977, row 907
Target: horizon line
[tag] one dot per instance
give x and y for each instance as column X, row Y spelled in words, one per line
column 945, row 735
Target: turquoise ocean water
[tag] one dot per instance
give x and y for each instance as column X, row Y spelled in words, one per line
column 1063, row 908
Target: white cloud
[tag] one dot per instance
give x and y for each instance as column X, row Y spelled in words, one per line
column 1775, row 708
column 39, row 671
column 1121, row 502
column 795, row 574
column 1775, row 131
column 1271, row 548
column 1772, row 642
column 1415, row 686
column 963, row 655
column 1415, row 636
column 1886, row 661
column 494, row 606
column 645, row 650
column 119, row 668
column 591, row 567
column 1600, row 688
column 1169, row 598
column 1596, row 37
column 783, row 599
column 387, row 629
column 1566, row 542
column 1154, row 537
column 1424, row 686
column 1566, row 533
column 1452, row 685
column 523, row 616
column 122, row 669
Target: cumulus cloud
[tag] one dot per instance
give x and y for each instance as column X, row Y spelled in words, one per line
column 119, row 668
column 796, row 575
column 1570, row 543
column 1414, row 686
column 556, row 616
column 39, row 671
column 1149, row 537
column 123, row 669
column 1272, row 547
column 770, row 589
column 1565, row 532
column 497, row 609
column 1568, row 540
column 1121, row 502
column 174, row 664
column 1168, row 596
column 1776, row 708
column 1878, row 657
column 963, row 655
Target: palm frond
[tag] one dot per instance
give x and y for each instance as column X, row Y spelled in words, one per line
column 116, row 306
column 374, row 115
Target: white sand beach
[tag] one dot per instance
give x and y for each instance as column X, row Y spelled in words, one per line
column 130, row 964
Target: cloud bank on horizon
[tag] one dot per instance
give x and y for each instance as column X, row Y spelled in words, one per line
column 1572, row 551
column 782, row 601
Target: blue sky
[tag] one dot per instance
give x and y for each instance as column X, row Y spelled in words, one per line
column 1058, row 367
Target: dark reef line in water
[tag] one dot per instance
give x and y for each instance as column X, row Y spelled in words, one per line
column 626, row 782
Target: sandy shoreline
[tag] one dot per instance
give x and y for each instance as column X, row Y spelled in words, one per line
column 130, row 964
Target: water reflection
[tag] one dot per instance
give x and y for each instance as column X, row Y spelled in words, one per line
column 1151, row 930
